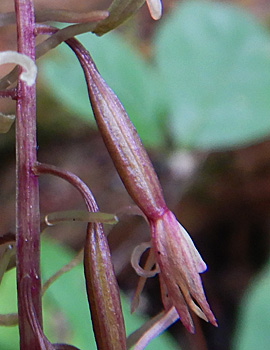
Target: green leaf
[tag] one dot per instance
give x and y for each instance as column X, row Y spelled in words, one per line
column 252, row 328
column 131, row 78
column 215, row 65
column 9, row 336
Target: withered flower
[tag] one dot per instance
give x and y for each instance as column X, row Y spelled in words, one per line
column 172, row 251
column 180, row 264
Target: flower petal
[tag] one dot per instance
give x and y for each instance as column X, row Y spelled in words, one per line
column 180, row 264
column 150, row 262
column 152, row 329
column 200, row 264
column 155, row 8
column 135, row 260
column 29, row 72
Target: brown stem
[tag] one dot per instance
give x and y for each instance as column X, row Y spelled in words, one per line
column 27, row 208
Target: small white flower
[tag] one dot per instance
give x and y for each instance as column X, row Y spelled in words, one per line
column 29, row 72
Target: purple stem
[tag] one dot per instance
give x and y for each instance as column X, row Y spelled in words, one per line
column 74, row 180
column 27, row 196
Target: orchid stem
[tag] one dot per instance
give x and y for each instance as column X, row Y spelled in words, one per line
column 27, row 208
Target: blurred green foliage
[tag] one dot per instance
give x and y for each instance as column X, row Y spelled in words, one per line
column 65, row 306
column 207, row 87
column 215, row 65
column 252, row 330
column 208, row 82
column 135, row 82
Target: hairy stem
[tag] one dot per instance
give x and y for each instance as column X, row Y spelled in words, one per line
column 27, row 196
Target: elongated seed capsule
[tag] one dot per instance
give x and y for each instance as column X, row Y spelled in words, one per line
column 102, row 291
column 125, row 147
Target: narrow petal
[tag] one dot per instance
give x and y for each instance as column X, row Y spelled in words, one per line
column 29, row 67
column 155, row 8
column 152, row 329
column 179, row 303
column 135, row 260
column 150, row 262
column 180, row 264
column 200, row 264
column 166, row 300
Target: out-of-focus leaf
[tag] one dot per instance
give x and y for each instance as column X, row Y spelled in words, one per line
column 9, row 337
column 215, row 65
column 252, row 328
column 131, row 78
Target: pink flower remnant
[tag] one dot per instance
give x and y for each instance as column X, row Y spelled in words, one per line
column 172, row 251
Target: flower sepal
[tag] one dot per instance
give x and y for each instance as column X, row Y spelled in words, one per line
column 180, row 264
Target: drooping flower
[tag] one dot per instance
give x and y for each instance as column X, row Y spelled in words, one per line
column 180, row 264
column 171, row 248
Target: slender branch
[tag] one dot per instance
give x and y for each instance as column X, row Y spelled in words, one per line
column 11, row 93
column 66, row 268
column 27, row 209
column 74, row 180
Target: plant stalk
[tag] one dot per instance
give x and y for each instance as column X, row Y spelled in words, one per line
column 27, row 195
